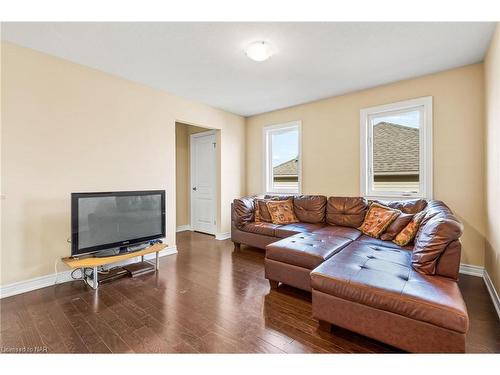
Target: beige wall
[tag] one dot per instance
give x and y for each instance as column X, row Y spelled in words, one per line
column 68, row 128
column 183, row 175
column 492, row 80
column 331, row 154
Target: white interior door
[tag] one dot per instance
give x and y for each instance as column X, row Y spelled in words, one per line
column 203, row 182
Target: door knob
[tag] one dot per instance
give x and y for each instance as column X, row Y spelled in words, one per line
column 194, row 189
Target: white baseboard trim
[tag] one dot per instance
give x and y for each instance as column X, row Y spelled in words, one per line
column 493, row 293
column 64, row 276
column 222, row 236
column 469, row 269
column 183, row 228
column 35, row 283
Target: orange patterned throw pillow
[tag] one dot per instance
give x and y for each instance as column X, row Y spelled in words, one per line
column 282, row 212
column 262, row 212
column 407, row 235
column 377, row 219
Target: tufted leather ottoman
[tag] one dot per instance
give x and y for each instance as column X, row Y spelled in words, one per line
column 373, row 290
column 291, row 259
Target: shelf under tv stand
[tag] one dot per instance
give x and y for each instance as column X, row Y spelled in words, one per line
column 94, row 262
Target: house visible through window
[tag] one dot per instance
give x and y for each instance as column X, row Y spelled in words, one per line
column 397, row 154
column 282, row 159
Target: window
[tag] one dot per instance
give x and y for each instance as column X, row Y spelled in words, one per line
column 396, row 149
column 282, row 164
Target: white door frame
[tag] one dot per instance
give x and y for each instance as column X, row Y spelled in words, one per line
column 191, row 179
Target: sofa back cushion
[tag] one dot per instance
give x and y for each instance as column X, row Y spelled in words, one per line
column 437, row 209
column 243, row 211
column 278, row 197
column 409, row 206
column 310, row 208
column 438, row 229
column 346, row 211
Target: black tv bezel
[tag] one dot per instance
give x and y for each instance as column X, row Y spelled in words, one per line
column 93, row 249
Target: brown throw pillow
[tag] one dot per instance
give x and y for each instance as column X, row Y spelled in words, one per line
column 282, row 212
column 377, row 219
column 396, row 226
column 261, row 211
column 408, row 233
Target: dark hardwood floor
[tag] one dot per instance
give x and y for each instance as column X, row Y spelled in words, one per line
column 205, row 299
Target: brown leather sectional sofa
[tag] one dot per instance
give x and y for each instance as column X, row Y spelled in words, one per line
column 407, row 297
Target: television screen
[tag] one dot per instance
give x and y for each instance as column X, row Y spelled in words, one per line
column 106, row 220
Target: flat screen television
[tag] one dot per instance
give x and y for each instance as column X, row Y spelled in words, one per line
column 101, row 221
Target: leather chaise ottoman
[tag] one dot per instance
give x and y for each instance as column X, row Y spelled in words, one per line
column 291, row 259
column 375, row 291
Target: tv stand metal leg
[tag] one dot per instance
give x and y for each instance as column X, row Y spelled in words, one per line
column 92, row 282
column 95, row 283
column 157, row 261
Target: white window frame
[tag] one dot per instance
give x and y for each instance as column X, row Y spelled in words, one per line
column 425, row 140
column 267, row 160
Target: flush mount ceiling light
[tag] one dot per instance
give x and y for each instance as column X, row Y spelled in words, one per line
column 259, row 51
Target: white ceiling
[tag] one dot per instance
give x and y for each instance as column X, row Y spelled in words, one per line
column 206, row 62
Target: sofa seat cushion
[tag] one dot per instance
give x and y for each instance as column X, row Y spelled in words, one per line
column 305, row 249
column 337, row 230
column 383, row 278
column 266, row 229
column 291, row 229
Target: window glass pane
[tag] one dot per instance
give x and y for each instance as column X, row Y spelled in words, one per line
column 285, row 154
column 396, row 152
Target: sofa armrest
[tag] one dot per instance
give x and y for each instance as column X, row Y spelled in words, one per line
column 433, row 239
column 448, row 264
column 243, row 211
